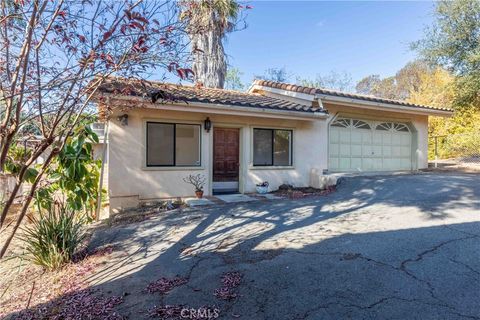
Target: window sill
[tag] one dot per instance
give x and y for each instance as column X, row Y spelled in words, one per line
column 271, row 167
column 173, row 168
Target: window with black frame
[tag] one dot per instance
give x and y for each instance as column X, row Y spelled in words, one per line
column 272, row 147
column 173, row 145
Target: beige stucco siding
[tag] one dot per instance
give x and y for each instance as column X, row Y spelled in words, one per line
column 130, row 181
column 419, row 123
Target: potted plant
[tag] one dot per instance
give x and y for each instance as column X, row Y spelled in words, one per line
column 262, row 187
column 198, row 182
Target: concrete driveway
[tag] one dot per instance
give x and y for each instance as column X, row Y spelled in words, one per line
column 385, row 247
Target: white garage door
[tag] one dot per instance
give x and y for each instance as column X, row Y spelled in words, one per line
column 363, row 145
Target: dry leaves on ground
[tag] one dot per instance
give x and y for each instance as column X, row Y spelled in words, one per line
column 64, row 294
column 230, row 281
column 165, row 285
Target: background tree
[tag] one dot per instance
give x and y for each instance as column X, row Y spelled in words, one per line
column 397, row 87
column 341, row 81
column 275, row 74
column 233, row 80
column 55, row 54
column 453, row 41
column 208, row 22
column 368, row 84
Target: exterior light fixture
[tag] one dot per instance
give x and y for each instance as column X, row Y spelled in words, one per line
column 123, row 119
column 207, row 124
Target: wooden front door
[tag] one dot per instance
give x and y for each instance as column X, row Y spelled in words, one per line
column 225, row 154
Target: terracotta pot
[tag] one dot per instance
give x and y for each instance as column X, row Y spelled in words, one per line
column 199, row 194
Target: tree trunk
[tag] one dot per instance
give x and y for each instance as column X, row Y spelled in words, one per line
column 209, row 64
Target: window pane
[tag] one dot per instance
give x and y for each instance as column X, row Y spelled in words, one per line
column 262, row 147
column 160, row 144
column 187, row 145
column 282, row 153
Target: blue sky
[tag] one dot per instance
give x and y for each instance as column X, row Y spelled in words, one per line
column 310, row 37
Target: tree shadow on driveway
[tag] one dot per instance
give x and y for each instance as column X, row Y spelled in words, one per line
column 380, row 247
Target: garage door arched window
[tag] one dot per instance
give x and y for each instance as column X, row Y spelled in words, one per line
column 350, row 123
column 392, row 126
column 342, row 123
column 359, row 124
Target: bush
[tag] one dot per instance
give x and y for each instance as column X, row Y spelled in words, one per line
column 53, row 237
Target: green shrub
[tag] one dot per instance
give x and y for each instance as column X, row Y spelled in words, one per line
column 53, row 237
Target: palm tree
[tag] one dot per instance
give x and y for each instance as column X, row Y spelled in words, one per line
column 208, row 21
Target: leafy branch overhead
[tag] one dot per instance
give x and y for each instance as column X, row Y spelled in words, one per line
column 55, row 55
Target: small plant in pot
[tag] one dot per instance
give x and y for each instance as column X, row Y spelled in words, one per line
column 262, row 187
column 198, row 182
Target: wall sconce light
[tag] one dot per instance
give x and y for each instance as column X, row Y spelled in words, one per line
column 123, row 119
column 207, row 124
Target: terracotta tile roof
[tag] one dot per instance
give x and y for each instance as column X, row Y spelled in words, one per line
column 161, row 92
column 312, row 91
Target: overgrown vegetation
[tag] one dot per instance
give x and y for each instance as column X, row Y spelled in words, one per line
column 55, row 55
column 53, row 236
column 73, row 178
column 65, row 201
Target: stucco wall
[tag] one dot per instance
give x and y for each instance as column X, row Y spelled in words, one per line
column 419, row 122
column 130, row 181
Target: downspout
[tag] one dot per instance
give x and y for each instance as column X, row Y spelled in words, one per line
column 100, row 183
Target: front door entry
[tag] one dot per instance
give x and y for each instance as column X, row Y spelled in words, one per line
column 225, row 158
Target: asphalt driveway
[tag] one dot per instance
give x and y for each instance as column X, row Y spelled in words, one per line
column 389, row 247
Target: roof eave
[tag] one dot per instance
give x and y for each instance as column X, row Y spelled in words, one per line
column 355, row 102
column 215, row 108
column 383, row 106
column 303, row 97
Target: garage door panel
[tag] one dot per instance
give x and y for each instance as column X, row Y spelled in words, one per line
column 377, row 138
column 389, row 163
column 405, row 151
column 396, row 139
column 334, row 149
column 344, row 164
column 356, row 138
column 345, row 150
column 356, row 144
column 406, row 164
column 367, row 164
column 344, row 136
column 366, row 137
column 386, row 138
column 356, row 151
column 367, row 150
column 387, row 151
column 377, row 151
column 334, row 135
column 405, row 139
column 356, row 164
column 396, row 151
column 377, row 164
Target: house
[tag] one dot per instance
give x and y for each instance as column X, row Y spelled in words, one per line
column 158, row 133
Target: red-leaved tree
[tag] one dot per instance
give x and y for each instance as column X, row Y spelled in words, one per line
column 55, row 54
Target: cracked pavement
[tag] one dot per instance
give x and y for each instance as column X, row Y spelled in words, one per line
column 383, row 247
